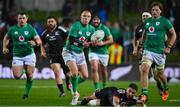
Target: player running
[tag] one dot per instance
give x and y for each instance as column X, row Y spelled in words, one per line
column 79, row 33
column 24, row 37
column 98, row 54
column 155, row 49
column 137, row 49
column 53, row 40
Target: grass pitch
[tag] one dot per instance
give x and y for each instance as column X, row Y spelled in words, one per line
column 45, row 93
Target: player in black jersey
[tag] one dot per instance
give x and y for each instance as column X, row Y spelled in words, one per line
column 53, row 40
column 112, row 96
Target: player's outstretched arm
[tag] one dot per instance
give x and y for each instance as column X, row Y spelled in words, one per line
column 5, row 44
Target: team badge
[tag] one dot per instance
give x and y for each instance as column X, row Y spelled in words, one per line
column 157, row 23
column 57, row 33
column 82, row 38
column 88, row 33
column 26, row 32
column 21, row 38
column 151, row 29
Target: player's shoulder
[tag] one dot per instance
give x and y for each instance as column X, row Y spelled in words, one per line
column 163, row 18
column 44, row 32
column 13, row 27
column 148, row 19
column 121, row 91
column 76, row 23
column 61, row 28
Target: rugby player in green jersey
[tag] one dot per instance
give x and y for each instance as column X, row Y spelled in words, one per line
column 137, row 50
column 23, row 37
column 98, row 54
column 73, row 55
column 155, row 49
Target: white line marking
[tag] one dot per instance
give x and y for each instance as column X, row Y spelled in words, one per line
column 174, row 100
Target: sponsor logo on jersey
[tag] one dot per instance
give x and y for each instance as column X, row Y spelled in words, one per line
column 82, row 38
column 21, row 38
column 26, row 32
column 151, row 29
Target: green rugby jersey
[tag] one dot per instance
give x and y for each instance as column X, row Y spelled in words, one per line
column 80, row 33
column 102, row 49
column 155, row 34
column 20, row 37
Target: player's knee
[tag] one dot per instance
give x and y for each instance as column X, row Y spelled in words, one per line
column 145, row 68
column 94, row 69
column 17, row 76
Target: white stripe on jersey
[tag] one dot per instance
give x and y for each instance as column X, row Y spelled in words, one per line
column 63, row 29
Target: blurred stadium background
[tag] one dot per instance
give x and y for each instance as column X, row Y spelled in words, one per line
column 121, row 16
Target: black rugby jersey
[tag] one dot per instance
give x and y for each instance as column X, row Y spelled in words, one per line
column 121, row 93
column 139, row 31
column 54, row 40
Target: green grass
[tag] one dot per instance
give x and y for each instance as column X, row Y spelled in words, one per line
column 45, row 93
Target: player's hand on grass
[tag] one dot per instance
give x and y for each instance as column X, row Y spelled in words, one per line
column 5, row 50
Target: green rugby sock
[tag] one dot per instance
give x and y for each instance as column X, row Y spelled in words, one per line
column 74, row 81
column 80, row 80
column 145, row 91
column 165, row 86
column 96, row 85
column 104, row 84
column 28, row 86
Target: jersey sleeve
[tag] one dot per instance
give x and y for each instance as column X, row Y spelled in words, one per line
column 33, row 32
column 73, row 31
column 43, row 39
column 107, row 31
column 64, row 31
column 168, row 25
column 9, row 33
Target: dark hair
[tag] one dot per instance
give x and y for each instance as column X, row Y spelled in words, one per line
column 53, row 17
column 96, row 16
column 23, row 13
column 86, row 10
column 133, row 86
column 157, row 4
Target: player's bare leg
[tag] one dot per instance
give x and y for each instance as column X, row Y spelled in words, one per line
column 104, row 75
column 144, row 81
column 56, row 69
column 95, row 74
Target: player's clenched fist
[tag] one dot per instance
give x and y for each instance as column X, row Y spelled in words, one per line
column 5, row 50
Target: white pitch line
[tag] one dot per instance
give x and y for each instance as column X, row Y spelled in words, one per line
column 24, row 86
column 174, row 100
